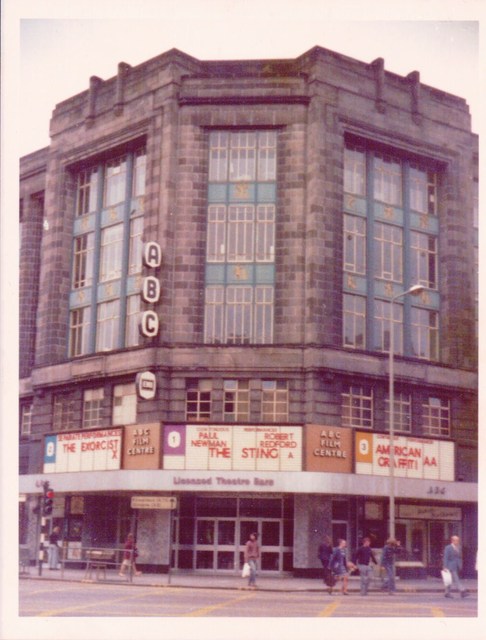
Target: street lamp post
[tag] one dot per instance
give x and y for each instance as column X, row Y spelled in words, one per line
column 415, row 290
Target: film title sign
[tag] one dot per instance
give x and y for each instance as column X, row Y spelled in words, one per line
column 83, row 451
column 233, row 448
column 328, row 449
column 413, row 457
column 141, row 446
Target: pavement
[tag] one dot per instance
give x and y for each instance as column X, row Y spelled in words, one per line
column 196, row 580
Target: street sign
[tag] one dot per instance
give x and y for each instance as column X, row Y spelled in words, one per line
column 153, row 502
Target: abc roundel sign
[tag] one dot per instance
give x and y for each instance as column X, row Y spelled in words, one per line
column 146, row 384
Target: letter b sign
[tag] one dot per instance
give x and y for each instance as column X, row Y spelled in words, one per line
column 151, row 290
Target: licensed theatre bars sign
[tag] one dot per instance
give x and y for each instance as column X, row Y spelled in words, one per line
column 413, row 457
column 233, row 448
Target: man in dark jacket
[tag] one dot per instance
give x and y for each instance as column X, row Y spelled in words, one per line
column 324, row 553
column 362, row 558
column 387, row 561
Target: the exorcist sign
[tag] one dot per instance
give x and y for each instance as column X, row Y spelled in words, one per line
column 412, row 457
column 235, row 447
column 83, row 451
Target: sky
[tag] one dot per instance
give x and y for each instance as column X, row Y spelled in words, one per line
column 58, row 45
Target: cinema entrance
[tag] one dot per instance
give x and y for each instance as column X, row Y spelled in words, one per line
column 210, row 532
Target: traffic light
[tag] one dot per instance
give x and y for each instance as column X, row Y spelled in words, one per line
column 48, row 500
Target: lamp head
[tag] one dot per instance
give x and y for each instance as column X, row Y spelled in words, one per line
column 416, row 289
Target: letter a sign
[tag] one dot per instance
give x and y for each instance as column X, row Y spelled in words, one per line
column 152, row 255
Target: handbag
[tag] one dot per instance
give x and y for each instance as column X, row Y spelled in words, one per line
column 446, row 577
column 246, row 570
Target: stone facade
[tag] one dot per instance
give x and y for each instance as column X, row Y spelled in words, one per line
column 315, row 102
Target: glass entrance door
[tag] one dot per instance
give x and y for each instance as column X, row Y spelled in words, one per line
column 439, row 536
column 215, row 547
column 413, row 537
column 210, row 533
column 270, row 539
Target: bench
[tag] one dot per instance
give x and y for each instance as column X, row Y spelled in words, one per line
column 99, row 559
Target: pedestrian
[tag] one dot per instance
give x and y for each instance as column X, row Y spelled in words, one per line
column 453, row 564
column 324, row 553
column 362, row 558
column 252, row 554
column 53, row 551
column 387, row 561
column 339, row 566
column 130, row 554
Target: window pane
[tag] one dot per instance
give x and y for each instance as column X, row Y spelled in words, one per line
column 382, row 324
column 111, row 253
column 218, row 156
column 436, row 417
column 265, row 233
column 198, row 399
column 357, row 408
column 136, row 245
column 242, row 156
column 214, row 315
column 26, row 419
column 354, row 325
column 107, row 326
column 83, row 261
column 79, row 326
column 354, row 235
column 87, row 191
column 267, row 155
column 92, row 408
column 275, row 399
column 354, row 171
column 139, row 172
column 388, row 252
column 402, row 415
column 241, row 226
column 387, row 180
column 425, row 333
column 115, row 181
column 215, row 245
column 124, row 404
column 132, row 337
column 236, row 400
column 238, row 315
column 263, row 333
column 423, row 259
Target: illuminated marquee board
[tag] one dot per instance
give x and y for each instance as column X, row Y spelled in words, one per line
column 83, row 451
column 233, row 448
column 413, row 457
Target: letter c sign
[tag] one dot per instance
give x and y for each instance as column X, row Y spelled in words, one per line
column 149, row 324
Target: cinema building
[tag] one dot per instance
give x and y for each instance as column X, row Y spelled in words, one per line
column 211, row 256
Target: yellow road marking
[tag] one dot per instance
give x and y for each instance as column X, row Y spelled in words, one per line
column 437, row 612
column 87, row 605
column 328, row 610
column 205, row 610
